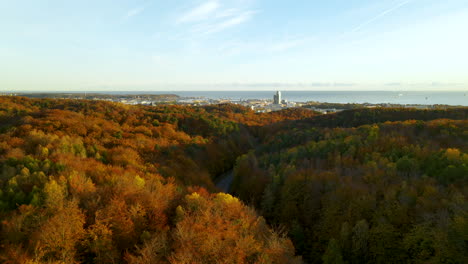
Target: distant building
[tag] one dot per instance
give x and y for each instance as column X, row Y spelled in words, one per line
column 277, row 98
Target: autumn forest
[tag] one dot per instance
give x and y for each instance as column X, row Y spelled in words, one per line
column 86, row 181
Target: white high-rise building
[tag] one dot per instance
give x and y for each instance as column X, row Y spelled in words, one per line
column 277, row 98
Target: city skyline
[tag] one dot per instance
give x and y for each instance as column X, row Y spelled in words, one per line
column 233, row 44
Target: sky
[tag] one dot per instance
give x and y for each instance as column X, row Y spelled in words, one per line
column 97, row 45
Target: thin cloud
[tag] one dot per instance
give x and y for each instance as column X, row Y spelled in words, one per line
column 199, row 13
column 228, row 23
column 133, row 12
column 227, row 13
column 212, row 17
column 379, row 16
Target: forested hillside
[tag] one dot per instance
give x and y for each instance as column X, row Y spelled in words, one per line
column 357, row 188
column 99, row 182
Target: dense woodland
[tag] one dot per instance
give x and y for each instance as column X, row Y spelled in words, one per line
column 100, row 182
column 365, row 186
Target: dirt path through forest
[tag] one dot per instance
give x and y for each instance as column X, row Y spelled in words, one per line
column 225, row 181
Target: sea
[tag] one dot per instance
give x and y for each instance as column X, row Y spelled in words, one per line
column 372, row 97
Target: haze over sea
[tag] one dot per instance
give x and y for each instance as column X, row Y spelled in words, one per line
column 373, row 97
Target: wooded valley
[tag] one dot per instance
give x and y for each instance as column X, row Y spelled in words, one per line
column 100, row 182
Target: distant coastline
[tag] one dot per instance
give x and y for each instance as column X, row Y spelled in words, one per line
column 453, row 98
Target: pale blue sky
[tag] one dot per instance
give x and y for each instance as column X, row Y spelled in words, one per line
column 210, row 44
